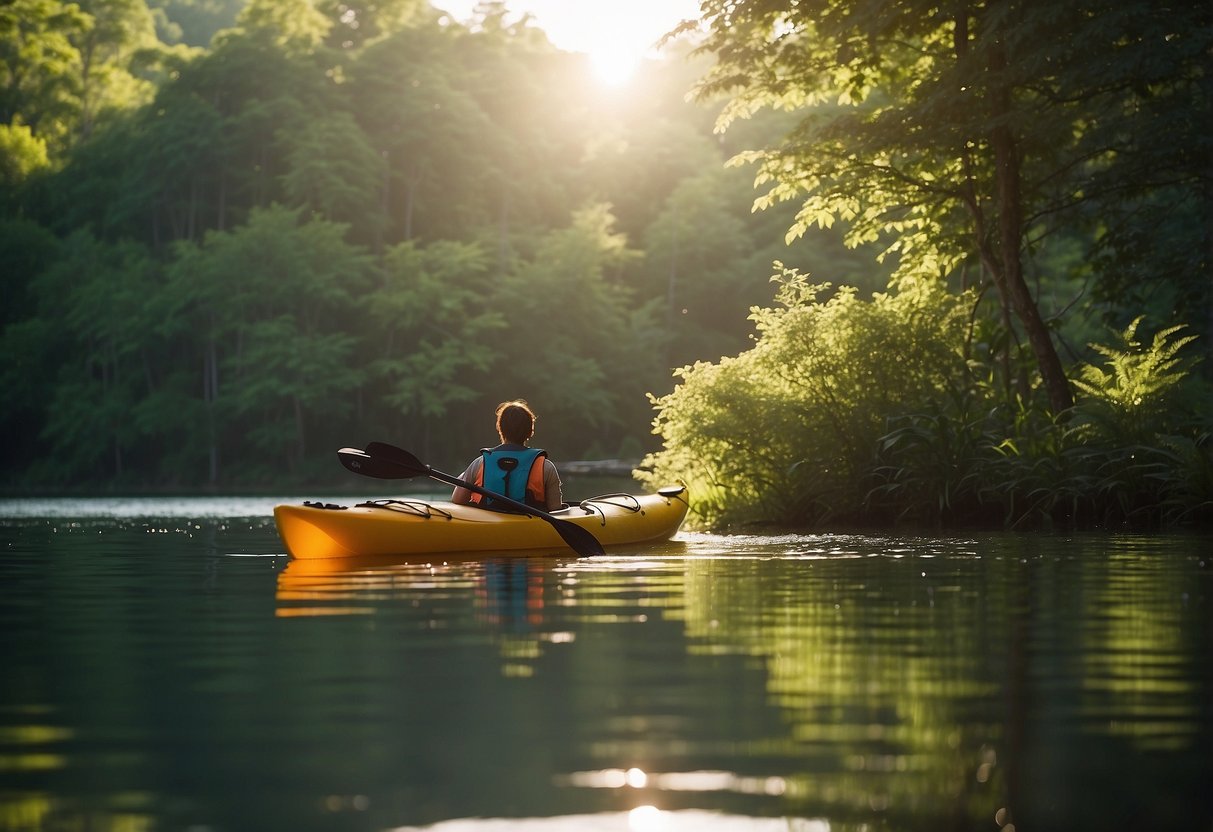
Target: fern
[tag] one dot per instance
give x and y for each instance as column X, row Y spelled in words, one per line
column 1128, row 399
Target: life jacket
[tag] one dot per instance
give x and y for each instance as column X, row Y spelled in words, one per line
column 514, row 471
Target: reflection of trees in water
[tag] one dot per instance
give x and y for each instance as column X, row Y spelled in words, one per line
column 941, row 687
column 882, row 680
column 930, row 689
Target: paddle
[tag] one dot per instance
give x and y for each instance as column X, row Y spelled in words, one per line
column 388, row 462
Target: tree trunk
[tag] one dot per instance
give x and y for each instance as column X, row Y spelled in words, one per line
column 1010, row 238
column 504, row 250
column 210, row 392
column 410, row 196
column 1207, row 64
column 385, row 202
column 1007, row 267
column 86, row 91
column 221, row 201
column 671, row 297
column 300, row 437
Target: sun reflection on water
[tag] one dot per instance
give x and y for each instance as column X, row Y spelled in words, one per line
column 643, row 818
column 676, row 781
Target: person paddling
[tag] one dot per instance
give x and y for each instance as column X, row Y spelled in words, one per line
column 519, row 472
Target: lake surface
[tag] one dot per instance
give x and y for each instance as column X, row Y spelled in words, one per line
column 166, row 666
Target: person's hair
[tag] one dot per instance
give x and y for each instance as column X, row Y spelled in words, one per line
column 515, row 422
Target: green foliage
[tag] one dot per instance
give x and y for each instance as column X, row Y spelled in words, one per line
column 435, row 308
column 1135, row 450
column 412, row 100
column 38, row 66
column 65, row 68
column 856, row 412
column 573, row 342
column 334, row 171
column 932, row 465
column 1182, row 472
column 94, row 298
column 1135, row 396
column 21, row 153
column 30, row 341
column 344, row 221
column 692, row 250
column 194, row 22
column 293, row 26
column 968, row 133
column 268, row 309
column 119, row 44
column 786, row 431
column 356, row 22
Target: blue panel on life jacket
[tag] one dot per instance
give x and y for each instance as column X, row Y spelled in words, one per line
column 506, row 470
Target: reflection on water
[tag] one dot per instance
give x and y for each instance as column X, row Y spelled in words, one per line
column 176, row 671
column 640, row 819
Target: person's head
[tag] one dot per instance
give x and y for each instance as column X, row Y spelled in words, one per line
column 515, row 422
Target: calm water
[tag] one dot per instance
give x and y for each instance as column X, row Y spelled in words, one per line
column 165, row 666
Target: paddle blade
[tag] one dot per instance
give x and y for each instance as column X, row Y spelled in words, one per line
column 362, row 463
column 398, row 456
column 578, row 539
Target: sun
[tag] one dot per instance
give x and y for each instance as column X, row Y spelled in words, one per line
column 614, row 67
column 617, row 35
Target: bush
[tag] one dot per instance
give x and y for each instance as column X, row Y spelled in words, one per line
column 787, row 431
column 854, row 412
column 1135, row 450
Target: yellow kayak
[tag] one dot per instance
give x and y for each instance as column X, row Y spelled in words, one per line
column 406, row 527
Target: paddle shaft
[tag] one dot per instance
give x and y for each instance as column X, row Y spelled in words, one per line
column 484, row 492
column 580, row 540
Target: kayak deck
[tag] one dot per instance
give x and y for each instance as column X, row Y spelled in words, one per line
column 404, row 527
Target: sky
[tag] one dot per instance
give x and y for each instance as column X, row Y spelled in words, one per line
column 616, row 34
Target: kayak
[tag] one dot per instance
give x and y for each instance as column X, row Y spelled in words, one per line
column 407, row 527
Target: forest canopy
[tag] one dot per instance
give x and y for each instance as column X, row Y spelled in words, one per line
column 225, row 259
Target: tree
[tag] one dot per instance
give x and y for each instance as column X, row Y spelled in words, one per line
column 109, row 50
column 65, row 66
column 194, row 22
column 962, row 131
column 576, row 344
column 30, row 342
column 269, row 306
column 435, row 317
column 357, row 22
column 431, row 133
column 334, row 171
column 39, row 81
column 94, row 297
column 213, row 144
column 294, row 26
column 696, row 248
column 21, row 153
column 540, row 125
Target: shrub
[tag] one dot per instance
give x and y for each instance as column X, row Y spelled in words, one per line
column 787, row 430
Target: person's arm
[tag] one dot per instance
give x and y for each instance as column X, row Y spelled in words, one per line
column 461, row 494
column 551, row 486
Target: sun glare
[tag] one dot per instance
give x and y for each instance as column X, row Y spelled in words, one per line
column 614, row 67
column 616, row 35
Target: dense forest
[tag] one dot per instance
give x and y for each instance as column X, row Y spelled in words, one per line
column 223, row 263
column 234, row 237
